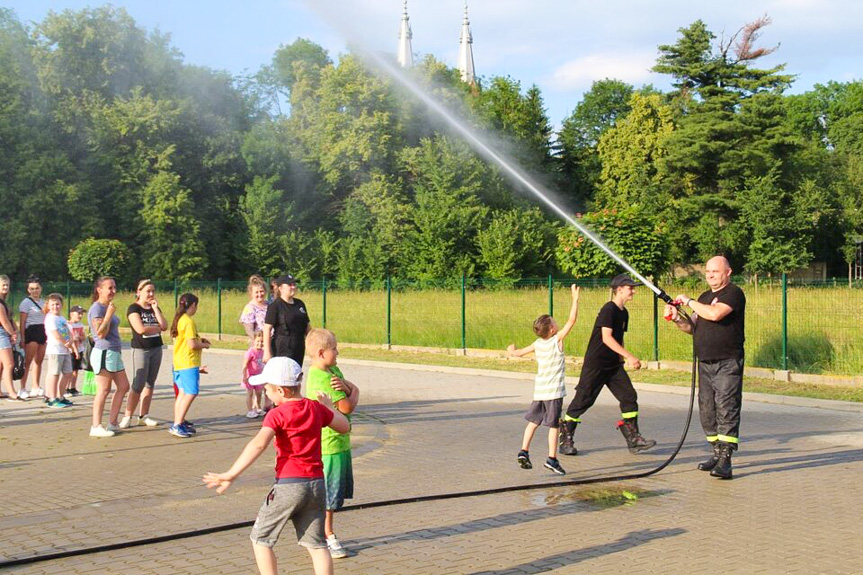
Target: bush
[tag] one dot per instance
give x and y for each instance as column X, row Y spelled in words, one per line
column 92, row 258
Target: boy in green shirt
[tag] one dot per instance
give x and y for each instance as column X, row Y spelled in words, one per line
column 325, row 377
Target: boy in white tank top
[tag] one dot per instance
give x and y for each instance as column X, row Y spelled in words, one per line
column 549, row 387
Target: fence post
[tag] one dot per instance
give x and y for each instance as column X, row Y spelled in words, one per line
column 219, row 306
column 324, row 303
column 463, row 317
column 389, row 311
column 68, row 299
column 550, row 296
column 176, row 294
column 784, row 321
column 655, row 327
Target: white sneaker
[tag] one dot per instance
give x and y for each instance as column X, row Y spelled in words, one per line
column 38, row 393
column 148, row 421
column 335, row 547
column 125, row 422
column 112, row 428
column 99, row 431
column 261, row 413
column 23, row 394
column 251, row 414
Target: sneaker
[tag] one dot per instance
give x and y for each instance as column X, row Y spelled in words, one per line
column 335, row 547
column 37, row 393
column 148, row 421
column 23, row 395
column 179, row 431
column 99, row 431
column 261, row 413
column 251, row 414
column 125, row 422
column 524, row 460
column 553, row 464
column 190, row 427
column 113, row 427
column 65, row 402
column 73, row 392
column 54, row 403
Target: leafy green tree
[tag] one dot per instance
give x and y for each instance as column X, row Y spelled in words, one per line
column 92, row 258
column 513, row 244
column 447, row 212
column 301, row 56
column 172, row 246
column 267, row 218
column 638, row 238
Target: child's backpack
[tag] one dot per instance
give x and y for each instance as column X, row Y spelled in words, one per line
column 18, row 368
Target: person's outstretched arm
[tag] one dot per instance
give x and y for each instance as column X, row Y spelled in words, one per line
column 253, row 450
column 512, row 351
column 573, row 314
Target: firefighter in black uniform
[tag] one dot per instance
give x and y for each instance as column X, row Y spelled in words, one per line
column 603, row 365
column 719, row 335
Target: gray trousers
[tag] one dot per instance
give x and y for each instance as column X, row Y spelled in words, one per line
column 720, row 394
column 145, row 367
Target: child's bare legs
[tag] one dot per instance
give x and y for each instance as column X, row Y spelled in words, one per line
column 7, row 363
column 553, row 434
column 250, row 396
column 265, row 557
column 181, row 407
column 64, row 385
column 103, row 388
column 321, row 561
column 51, row 386
column 122, row 384
column 328, row 523
column 256, row 404
column 528, row 435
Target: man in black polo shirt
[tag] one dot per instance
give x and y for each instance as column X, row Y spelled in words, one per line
column 288, row 320
column 719, row 335
column 603, row 365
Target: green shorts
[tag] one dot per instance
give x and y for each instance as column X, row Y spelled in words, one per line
column 106, row 359
column 339, row 476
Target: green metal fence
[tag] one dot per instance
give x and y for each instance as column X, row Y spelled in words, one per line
column 812, row 327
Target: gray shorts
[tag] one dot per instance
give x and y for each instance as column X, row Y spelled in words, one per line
column 545, row 413
column 59, row 364
column 302, row 502
column 145, row 367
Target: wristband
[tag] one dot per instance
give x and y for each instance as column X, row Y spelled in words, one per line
column 689, row 301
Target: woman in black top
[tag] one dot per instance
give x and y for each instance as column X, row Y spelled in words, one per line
column 148, row 323
column 289, row 321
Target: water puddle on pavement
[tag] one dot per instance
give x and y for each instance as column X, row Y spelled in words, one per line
column 604, row 497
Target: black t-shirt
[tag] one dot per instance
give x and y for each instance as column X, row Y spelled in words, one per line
column 721, row 339
column 148, row 318
column 289, row 321
column 598, row 354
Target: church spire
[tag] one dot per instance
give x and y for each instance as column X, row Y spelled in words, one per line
column 465, row 51
column 405, row 54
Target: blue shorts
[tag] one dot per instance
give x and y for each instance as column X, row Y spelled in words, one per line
column 339, row 477
column 188, row 380
column 5, row 340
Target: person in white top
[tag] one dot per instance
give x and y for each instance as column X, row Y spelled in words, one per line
column 32, row 326
column 59, row 351
column 549, row 387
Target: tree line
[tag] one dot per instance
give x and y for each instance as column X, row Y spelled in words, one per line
column 121, row 158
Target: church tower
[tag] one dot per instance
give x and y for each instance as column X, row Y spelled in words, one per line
column 465, row 52
column 405, row 54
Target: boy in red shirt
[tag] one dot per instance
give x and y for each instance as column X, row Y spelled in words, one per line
column 299, row 493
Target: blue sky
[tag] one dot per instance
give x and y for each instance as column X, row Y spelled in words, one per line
column 560, row 45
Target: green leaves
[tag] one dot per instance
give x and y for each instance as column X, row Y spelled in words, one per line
column 93, row 258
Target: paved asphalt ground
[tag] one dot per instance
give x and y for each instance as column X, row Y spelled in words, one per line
column 794, row 506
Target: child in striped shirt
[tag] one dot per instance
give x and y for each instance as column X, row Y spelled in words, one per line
column 549, row 388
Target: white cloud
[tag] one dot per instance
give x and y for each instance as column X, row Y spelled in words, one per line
column 578, row 74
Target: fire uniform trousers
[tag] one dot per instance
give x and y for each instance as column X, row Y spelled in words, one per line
column 590, row 383
column 720, row 395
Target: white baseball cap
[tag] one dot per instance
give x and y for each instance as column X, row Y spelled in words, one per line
column 281, row 371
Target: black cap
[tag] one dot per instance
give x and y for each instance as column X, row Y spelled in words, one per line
column 623, row 280
column 285, row 279
column 77, row 308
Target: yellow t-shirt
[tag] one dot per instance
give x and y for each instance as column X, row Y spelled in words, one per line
column 184, row 356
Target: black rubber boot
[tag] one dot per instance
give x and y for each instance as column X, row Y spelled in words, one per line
column 634, row 441
column 709, row 464
column 722, row 470
column 566, row 443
